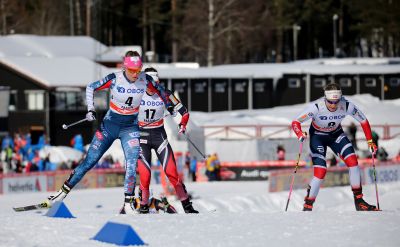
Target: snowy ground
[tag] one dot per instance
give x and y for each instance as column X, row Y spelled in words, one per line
column 246, row 215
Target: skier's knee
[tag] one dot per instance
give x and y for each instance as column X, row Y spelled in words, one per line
column 320, row 172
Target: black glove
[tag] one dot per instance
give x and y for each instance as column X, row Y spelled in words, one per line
column 171, row 110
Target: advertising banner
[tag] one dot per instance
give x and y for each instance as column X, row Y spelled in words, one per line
column 280, row 180
column 19, row 184
column 106, row 180
column 384, row 174
column 244, row 173
column 88, row 181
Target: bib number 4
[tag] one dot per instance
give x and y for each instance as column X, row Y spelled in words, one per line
column 129, row 101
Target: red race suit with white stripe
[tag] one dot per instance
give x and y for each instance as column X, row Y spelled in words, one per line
column 153, row 136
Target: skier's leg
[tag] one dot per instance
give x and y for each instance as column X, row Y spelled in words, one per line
column 144, row 170
column 130, row 144
column 166, row 157
column 318, row 152
column 343, row 147
column 99, row 145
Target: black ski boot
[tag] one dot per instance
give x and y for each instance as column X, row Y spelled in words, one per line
column 308, row 202
column 187, row 206
column 164, row 206
column 144, row 209
column 359, row 202
column 130, row 205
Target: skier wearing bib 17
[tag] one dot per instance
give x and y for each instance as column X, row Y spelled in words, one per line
column 327, row 114
column 153, row 136
column 127, row 88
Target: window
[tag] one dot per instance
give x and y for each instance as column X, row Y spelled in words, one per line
column 294, row 82
column 319, row 82
column 370, row 82
column 259, row 87
column 200, row 87
column 394, row 82
column 12, row 106
column 240, row 87
column 345, row 82
column 220, row 87
column 179, row 87
column 35, row 99
column 71, row 100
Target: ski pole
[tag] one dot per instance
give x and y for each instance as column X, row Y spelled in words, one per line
column 295, row 171
column 376, row 184
column 195, row 147
column 65, row 126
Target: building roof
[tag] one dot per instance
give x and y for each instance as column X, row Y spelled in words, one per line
column 23, row 45
column 57, row 71
column 26, row 45
column 277, row 70
column 56, row 61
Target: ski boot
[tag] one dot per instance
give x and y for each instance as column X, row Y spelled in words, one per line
column 130, row 205
column 359, row 202
column 188, row 208
column 164, row 206
column 58, row 196
column 308, row 203
column 144, row 209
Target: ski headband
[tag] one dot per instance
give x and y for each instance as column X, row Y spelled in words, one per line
column 133, row 63
column 333, row 94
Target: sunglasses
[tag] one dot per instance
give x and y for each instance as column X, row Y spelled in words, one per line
column 134, row 71
column 333, row 102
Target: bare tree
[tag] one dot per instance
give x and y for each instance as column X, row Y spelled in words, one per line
column 174, row 32
column 7, row 9
column 78, row 17
column 214, row 17
column 88, row 17
column 144, row 27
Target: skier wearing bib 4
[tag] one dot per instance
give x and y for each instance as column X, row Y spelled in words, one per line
column 153, row 136
column 127, row 88
column 326, row 131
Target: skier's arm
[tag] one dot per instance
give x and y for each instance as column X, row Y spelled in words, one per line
column 95, row 86
column 153, row 86
column 170, row 101
column 353, row 111
column 176, row 105
column 308, row 113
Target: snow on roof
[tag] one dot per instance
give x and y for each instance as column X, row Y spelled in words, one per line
column 351, row 60
column 41, row 56
column 22, row 45
column 115, row 53
column 58, row 71
column 275, row 70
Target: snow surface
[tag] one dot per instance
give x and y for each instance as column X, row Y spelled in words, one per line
column 246, row 215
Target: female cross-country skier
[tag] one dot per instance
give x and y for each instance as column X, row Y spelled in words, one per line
column 325, row 131
column 127, row 88
column 153, row 136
